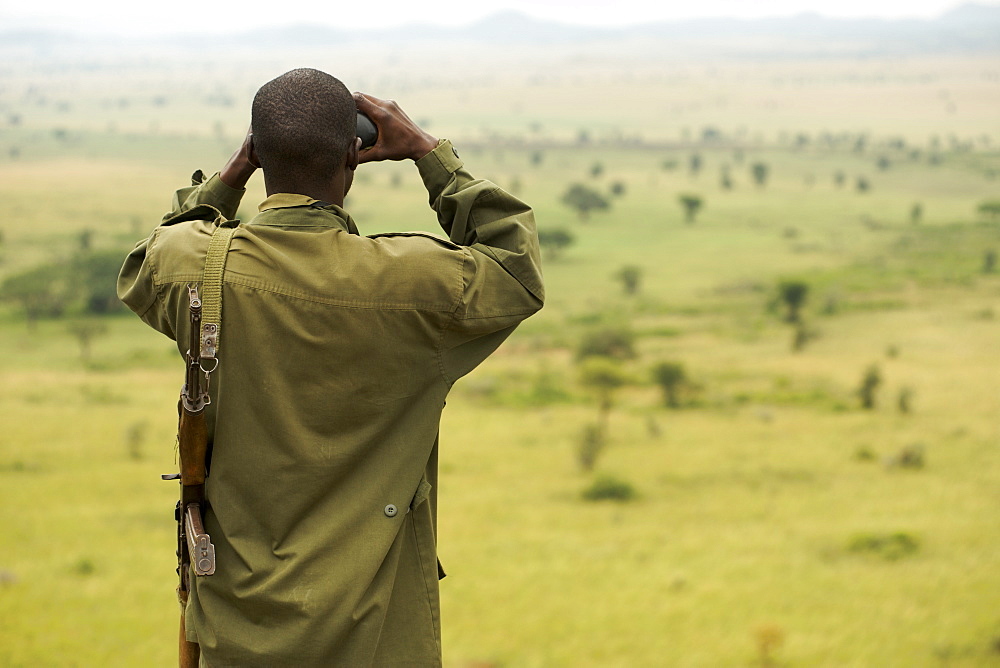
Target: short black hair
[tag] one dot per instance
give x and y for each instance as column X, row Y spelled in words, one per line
column 303, row 124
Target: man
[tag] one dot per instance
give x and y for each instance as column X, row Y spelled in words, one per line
column 337, row 352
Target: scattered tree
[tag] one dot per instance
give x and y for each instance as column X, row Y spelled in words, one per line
column 630, row 277
column 839, row 178
column 793, row 293
column 85, row 331
column 760, row 172
column 694, row 164
column 691, row 204
column 554, row 241
column 613, row 342
column 802, row 336
column 870, row 381
column 96, row 275
column 990, row 209
column 725, row 180
column 605, row 376
column 85, row 239
column 596, row 169
column 989, row 261
column 43, row 292
column 671, row 378
column 862, row 185
column 592, row 444
column 618, row 188
column 916, row 213
column 583, row 200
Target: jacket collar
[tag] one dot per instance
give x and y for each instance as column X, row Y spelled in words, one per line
column 294, row 210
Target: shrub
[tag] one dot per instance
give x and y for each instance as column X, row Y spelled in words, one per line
column 864, row 454
column 612, row 342
column 609, row 488
column 909, row 457
column 890, row 546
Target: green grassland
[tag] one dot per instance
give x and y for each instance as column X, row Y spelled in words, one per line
column 774, row 521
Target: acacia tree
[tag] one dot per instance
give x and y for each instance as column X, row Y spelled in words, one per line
column 630, row 277
column 96, row 275
column 691, row 204
column 85, row 331
column 583, row 200
column 600, row 355
column 554, row 240
column 604, row 376
column 41, row 292
column 870, row 381
column 793, row 294
column 759, row 171
column 990, row 208
column 611, row 342
column 694, row 164
column 671, row 378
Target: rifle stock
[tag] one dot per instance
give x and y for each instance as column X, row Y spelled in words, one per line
column 195, row 550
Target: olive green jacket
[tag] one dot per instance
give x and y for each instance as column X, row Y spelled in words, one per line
column 337, row 353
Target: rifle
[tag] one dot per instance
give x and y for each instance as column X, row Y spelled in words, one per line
column 195, row 550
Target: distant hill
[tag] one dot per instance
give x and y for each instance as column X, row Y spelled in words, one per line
column 971, row 28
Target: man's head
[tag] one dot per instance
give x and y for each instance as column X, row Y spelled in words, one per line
column 304, row 129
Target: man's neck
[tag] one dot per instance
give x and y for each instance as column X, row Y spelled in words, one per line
column 331, row 192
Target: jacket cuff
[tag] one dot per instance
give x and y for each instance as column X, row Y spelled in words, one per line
column 437, row 167
column 224, row 198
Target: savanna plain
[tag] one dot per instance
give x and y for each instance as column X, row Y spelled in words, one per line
column 756, row 423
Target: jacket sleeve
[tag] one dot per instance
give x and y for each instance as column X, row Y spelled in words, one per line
column 502, row 277
column 138, row 284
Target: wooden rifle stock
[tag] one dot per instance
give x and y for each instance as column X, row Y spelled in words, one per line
column 194, row 546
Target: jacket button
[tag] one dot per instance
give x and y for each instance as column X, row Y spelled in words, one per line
column 390, row 510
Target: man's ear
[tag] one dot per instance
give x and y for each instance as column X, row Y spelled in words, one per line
column 352, row 155
column 252, row 152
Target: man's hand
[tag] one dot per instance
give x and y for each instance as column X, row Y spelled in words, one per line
column 399, row 137
column 241, row 165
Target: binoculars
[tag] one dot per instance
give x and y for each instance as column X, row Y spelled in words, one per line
column 367, row 131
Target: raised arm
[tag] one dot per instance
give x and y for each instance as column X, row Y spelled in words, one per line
column 222, row 192
column 502, row 274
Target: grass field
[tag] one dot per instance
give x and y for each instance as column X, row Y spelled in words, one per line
column 774, row 521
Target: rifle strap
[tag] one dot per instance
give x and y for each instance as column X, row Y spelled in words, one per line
column 211, row 288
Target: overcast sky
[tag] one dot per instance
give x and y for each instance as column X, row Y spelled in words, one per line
column 156, row 17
